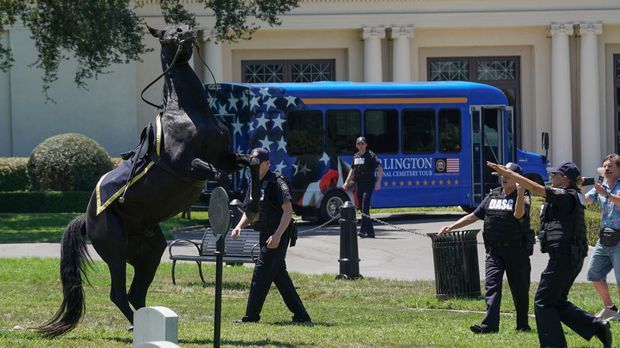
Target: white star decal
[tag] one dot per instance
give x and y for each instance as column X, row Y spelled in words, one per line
column 232, row 102
column 304, row 169
column 253, row 103
column 280, row 166
column 277, row 122
column 221, row 110
column 264, row 92
column 237, row 127
column 244, row 101
column 250, row 126
column 290, row 100
column 270, row 103
column 265, row 143
column 324, row 158
column 262, row 122
column 211, row 100
column 281, row 144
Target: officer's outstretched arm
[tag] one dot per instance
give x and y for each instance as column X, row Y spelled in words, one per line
column 528, row 184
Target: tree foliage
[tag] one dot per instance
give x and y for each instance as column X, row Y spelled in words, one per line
column 98, row 33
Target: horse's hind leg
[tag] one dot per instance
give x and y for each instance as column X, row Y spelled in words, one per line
column 145, row 260
column 109, row 240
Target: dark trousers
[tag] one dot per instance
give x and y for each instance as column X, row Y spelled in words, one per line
column 364, row 194
column 515, row 261
column 269, row 268
column 551, row 303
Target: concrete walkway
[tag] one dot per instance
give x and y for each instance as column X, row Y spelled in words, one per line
column 392, row 255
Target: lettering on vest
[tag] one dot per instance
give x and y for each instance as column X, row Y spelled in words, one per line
column 501, row 204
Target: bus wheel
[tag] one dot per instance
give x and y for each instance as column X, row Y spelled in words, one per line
column 330, row 206
column 468, row 209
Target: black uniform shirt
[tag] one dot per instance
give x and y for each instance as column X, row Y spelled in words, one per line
column 275, row 192
column 364, row 166
column 560, row 200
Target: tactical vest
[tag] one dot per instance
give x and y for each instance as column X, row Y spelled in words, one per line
column 563, row 229
column 270, row 213
column 364, row 173
column 500, row 224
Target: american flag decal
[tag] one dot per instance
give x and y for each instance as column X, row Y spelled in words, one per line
column 452, row 165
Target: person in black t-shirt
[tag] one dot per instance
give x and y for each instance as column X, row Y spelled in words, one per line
column 274, row 224
column 507, row 240
column 362, row 172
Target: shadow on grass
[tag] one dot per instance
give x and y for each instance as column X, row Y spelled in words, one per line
column 291, row 323
column 259, row 343
column 211, row 284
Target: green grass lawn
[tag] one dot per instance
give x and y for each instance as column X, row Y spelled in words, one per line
column 362, row 313
column 48, row 227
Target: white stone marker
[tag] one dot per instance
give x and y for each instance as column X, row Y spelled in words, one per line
column 152, row 324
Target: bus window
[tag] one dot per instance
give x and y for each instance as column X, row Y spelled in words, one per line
column 343, row 127
column 381, row 130
column 304, row 132
column 449, row 130
column 418, row 131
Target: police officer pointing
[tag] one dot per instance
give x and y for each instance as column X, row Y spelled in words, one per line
column 274, row 224
column 508, row 242
column 563, row 236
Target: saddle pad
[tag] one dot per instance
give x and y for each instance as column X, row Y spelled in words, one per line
column 113, row 183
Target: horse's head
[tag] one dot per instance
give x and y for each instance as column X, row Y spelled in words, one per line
column 176, row 40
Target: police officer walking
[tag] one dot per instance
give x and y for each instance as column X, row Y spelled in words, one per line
column 365, row 162
column 274, row 224
column 508, row 242
column 563, row 236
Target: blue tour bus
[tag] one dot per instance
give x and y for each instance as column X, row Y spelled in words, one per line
column 433, row 139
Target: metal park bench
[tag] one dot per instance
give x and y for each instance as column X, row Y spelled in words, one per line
column 242, row 250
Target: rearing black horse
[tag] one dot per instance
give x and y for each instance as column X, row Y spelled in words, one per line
column 185, row 146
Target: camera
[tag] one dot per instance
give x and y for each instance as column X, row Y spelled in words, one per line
column 588, row 181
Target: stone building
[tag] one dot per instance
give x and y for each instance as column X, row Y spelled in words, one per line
column 558, row 61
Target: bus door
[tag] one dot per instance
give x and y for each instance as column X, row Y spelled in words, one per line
column 488, row 129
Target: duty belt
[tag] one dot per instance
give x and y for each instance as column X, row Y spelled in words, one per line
column 503, row 244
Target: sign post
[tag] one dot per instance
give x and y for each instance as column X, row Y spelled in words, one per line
column 219, row 217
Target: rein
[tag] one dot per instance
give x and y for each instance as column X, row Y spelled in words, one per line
column 176, row 55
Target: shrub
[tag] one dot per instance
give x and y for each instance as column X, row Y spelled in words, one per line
column 68, row 162
column 13, row 173
column 44, row 202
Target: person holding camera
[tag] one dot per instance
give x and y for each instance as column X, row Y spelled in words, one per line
column 606, row 254
column 563, row 237
column 275, row 225
column 508, row 242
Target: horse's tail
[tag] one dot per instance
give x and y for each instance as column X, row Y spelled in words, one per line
column 74, row 260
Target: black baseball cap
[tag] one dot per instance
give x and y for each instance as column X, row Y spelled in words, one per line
column 513, row 167
column 568, row 169
column 261, row 154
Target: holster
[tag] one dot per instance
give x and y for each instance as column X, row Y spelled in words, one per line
column 609, row 237
column 294, row 233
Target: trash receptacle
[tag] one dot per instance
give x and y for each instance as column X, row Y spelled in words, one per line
column 455, row 255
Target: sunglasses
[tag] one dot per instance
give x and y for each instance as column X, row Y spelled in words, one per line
column 361, row 143
column 556, row 173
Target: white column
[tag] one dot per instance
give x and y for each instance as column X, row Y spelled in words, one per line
column 212, row 54
column 372, row 53
column 402, row 52
column 590, row 111
column 561, row 128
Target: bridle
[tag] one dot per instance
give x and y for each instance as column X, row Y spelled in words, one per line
column 174, row 60
column 176, row 56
